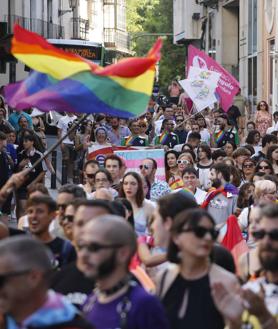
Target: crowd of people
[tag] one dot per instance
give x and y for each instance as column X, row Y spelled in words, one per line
column 123, row 249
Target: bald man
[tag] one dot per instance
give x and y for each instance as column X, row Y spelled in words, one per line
column 25, row 265
column 70, row 281
column 104, row 252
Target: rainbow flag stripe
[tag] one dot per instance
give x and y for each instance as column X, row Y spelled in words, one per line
column 219, row 136
column 63, row 81
column 163, row 137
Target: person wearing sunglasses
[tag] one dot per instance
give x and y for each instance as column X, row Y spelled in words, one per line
column 89, row 170
column 185, row 289
column 148, row 169
column 180, row 129
column 259, row 297
column 105, row 250
column 25, row 297
column 265, row 166
column 248, row 171
column 70, row 281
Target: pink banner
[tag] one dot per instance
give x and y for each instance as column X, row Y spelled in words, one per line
column 228, row 86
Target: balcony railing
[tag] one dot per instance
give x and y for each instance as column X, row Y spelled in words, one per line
column 45, row 29
column 116, row 39
column 80, row 28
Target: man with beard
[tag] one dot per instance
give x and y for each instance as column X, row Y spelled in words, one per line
column 105, row 250
column 148, row 170
column 220, row 202
column 70, row 281
column 267, row 284
column 259, row 297
column 223, row 133
column 117, row 132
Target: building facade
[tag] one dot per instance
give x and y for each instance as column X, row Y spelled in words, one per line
column 242, row 36
column 99, row 21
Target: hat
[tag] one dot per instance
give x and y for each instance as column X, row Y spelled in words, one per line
column 101, row 128
column 36, row 112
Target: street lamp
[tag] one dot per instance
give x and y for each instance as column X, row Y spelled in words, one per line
column 72, row 5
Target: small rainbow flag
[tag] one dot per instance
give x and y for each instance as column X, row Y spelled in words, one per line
column 63, row 81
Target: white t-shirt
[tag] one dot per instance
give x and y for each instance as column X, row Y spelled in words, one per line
column 64, row 124
column 200, row 195
column 243, row 218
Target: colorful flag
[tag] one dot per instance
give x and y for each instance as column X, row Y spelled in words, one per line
column 62, row 81
column 233, row 239
column 200, row 86
column 228, row 86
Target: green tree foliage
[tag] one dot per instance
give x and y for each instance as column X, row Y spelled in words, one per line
column 156, row 16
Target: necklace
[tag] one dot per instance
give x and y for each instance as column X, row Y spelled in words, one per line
column 111, row 291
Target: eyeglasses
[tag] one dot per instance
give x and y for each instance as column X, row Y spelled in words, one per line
column 201, row 231
column 6, row 276
column 142, row 126
column 101, row 180
column 264, row 167
column 90, row 175
column 183, row 162
column 68, row 218
column 95, row 246
column 259, row 235
column 144, row 166
column 249, row 165
column 179, row 121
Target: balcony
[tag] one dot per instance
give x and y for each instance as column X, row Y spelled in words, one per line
column 80, row 28
column 46, row 29
column 116, row 39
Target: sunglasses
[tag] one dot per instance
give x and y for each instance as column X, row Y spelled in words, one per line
column 259, row 235
column 90, row 175
column 95, row 246
column 68, row 218
column 144, row 166
column 264, row 167
column 183, row 162
column 63, row 206
column 6, row 276
column 179, row 121
column 201, row 231
column 250, row 165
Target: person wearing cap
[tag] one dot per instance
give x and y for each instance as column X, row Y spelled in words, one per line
column 26, row 158
column 14, row 117
column 38, row 125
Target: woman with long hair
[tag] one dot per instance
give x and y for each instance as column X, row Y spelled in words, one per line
column 245, row 195
column 272, row 156
column 132, row 190
column 229, row 148
column 263, row 119
column 204, row 164
column 171, row 166
column 253, row 138
column 185, row 289
column 265, row 166
column 248, row 170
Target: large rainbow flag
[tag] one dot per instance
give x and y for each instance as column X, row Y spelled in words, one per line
column 62, row 81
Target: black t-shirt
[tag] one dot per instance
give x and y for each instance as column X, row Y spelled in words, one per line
column 233, row 114
column 63, row 252
column 33, row 157
column 73, row 284
column 200, row 311
column 182, row 135
column 4, row 168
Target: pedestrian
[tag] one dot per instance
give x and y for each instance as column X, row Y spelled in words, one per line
column 272, row 156
column 25, row 298
column 41, row 210
column 114, row 164
column 105, row 251
column 132, row 190
column 185, row 289
column 103, row 179
column 263, row 119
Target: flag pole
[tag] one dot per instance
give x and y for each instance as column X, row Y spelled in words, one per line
column 59, row 141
